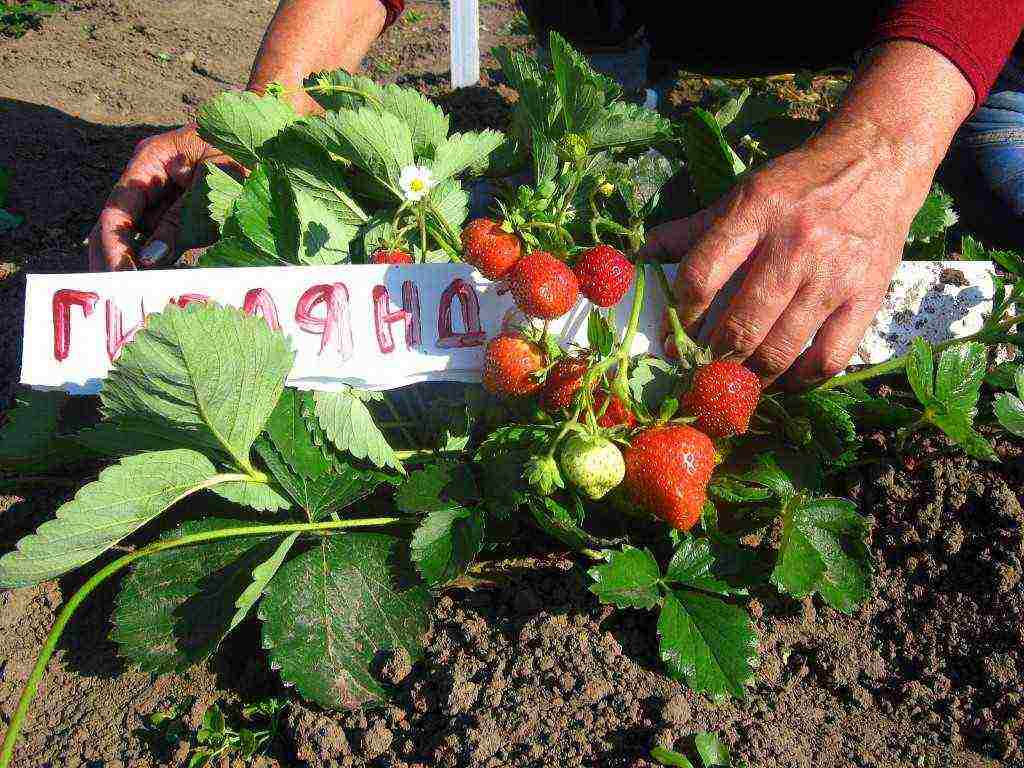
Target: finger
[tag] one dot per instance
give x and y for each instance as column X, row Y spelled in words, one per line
column 810, row 307
column 834, row 344
column 96, row 261
column 160, row 248
column 768, row 288
column 670, row 241
column 716, row 255
column 117, row 226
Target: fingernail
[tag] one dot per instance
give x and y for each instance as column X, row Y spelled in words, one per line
column 153, row 253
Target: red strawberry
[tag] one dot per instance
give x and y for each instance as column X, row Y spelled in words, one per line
column 489, row 248
column 723, row 398
column 543, row 286
column 616, row 414
column 667, row 472
column 509, row 365
column 604, row 274
column 393, row 256
column 563, row 382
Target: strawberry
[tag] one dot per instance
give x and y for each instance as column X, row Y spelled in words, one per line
column 604, row 274
column 510, row 363
column 616, row 414
column 593, row 464
column 723, row 398
column 391, row 256
column 563, row 382
column 490, row 248
column 667, row 472
column 543, row 286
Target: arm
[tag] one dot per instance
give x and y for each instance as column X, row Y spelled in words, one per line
column 818, row 233
column 148, row 195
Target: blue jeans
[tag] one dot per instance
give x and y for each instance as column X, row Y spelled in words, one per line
column 994, row 138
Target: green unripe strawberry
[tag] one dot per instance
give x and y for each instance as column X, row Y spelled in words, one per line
column 593, row 464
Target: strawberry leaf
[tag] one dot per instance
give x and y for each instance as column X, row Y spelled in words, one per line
column 329, row 611
column 348, row 423
column 712, row 164
column 959, row 376
column 436, row 487
column 29, row 439
column 259, row 496
column 957, row 426
column 622, row 124
column 1010, row 411
column 670, row 757
column 176, row 606
column 629, row 579
column 222, row 191
column 694, row 564
column 446, row 543
column 707, row 642
column 121, row 500
column 464, row 151
column 824, row 549
column 239, row 122
column 921, row 371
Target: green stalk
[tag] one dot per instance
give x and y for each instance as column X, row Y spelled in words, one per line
column 621, row 383
column 679, row 335
column 898, row 363
column 338, row 89
column 423, row 231
column 29, row 691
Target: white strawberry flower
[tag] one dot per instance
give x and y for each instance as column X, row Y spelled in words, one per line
column 416, row 181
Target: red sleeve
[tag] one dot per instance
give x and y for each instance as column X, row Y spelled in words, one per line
column 976, row 35
column 394, row 9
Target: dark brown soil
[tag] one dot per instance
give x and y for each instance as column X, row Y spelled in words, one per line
column 534, row 672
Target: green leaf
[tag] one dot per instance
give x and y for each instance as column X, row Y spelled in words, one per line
column 629, row 579
column 628, row 126
column 600, row 333
column 957, row 426
column 426, row 121
column 642, row 181
column 769, row 474
column 329, row 611
column 563, row 521
column 30, row 431
column 711, row 162
column 670, row 757
column 259, row 496
column 176, row 606
column 239, row 122
column 1010, row 411
column 712, row 751
column 338, row 487
column 707, row 642
column 311, row 170
column 437, row 487
column 290, row 434
column 959, row 375
column 237, row 252
column 694, row 565
column 349, row 425
column 449, row 206
column 212, row 373
column 121, row 500
column 1004, row 375
column 462, row 151
column 572, row 67
column 921, row 371
column 824, row 550
column 379, row 144
column 446, row 542
column 651, row 382
column 266, row 216
column 9, row 221
column 935, row 216
column 223, row 190
column 735, row 491
column 261, row 576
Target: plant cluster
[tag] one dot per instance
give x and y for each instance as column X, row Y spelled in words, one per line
column 337, row 517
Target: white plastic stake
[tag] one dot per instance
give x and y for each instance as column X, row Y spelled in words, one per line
column 465, row 42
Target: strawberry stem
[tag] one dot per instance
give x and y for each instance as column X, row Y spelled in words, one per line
column 683, row 342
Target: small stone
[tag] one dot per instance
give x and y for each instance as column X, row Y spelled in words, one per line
column 376, row 740
column 396, row 667
column 676, row 710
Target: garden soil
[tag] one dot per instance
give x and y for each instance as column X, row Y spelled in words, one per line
column 531, row 670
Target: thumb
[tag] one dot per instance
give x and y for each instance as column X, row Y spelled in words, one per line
column 160, row 248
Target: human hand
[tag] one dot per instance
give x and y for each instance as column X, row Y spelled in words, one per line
column 815, row 237
column 148, row 199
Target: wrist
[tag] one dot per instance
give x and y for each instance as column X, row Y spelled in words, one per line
column 906, row 101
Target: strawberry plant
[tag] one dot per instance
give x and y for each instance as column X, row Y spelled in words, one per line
column 336, row 518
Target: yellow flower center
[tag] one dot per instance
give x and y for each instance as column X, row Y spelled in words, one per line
column 416, row 185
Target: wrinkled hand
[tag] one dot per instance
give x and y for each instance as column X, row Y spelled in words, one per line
column 148, row 199
column 816, row 236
